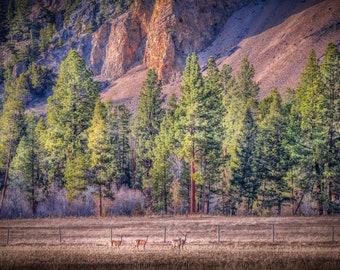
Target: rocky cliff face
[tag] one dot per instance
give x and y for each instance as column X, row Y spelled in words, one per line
column 157, row 33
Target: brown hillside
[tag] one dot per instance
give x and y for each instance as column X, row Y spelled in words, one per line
column 277, row 36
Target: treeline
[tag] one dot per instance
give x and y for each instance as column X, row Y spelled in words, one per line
column 215, row 149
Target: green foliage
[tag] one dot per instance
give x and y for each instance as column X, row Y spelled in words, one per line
column 40, row 78
column 18, row 18
column 75, row 174
column 100, row 151
column 161, row 172
column 189, row 124
column 27, row 166
column 59, row 42
column 69, row 112
column 11, row 127
column 256, row 155
column 246, row 87
column 69, row 10
column 120, row 132
column 212, row 114
column 244, row 180
column 90, row 28
column 148, row 119
column 46, row 35
column 273, row 159
column 330, row 73
column 33, row 48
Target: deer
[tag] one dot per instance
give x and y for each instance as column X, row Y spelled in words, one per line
column 183, row 241
column 141, row 242
column 176, row 243
column 116, row 243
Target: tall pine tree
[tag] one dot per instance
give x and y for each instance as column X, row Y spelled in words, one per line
column 330, row 73
column 307, row 133
column 272, row 154
column 69, row 113
column 212, row 114
column 101, row 157
column 11, row 127
column 189, row 124
column 147, row 123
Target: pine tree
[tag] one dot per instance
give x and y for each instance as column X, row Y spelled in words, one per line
column 244, row 179
column 69, row 113
column 46, row 35
column 34, row 47
column 120, row 133
column 148, row 119
column 272, row 154
column 307, row 131
column 330, row 73
column 100, row 147
column 26, row 168
column 19, row 25
column 188, row 125
column 211, row 115
column 76, row 173
column 247, row 88
column 240, row 95
column 11, row 127
column 161, row 172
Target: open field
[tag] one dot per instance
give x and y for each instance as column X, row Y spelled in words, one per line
column 214, row 242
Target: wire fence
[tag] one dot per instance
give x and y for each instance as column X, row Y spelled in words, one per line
column 101, row 235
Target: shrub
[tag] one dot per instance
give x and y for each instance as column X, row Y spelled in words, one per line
column 128, row 202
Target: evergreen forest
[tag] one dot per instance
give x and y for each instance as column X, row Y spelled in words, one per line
column 215, row 149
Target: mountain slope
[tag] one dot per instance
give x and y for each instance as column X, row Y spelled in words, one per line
column 276, row 35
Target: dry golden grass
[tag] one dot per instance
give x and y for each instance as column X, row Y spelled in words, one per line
column 246, row 243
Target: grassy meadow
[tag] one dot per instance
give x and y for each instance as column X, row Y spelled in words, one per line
column 212, row 243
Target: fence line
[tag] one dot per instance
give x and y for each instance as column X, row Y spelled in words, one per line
column 63, row 233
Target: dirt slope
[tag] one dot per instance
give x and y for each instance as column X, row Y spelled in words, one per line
column 277, row 36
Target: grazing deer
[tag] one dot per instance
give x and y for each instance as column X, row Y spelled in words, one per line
column 183, row 241
column 141, row 242
column 176, row 243
column 116, row 243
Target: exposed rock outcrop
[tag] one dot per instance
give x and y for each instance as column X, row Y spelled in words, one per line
column 158, row 33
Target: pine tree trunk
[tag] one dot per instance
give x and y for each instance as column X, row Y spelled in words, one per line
column 204, row 189
column 192, row 190
column 292, row 199
column 100, row 201
column 279, row 207
column 165, row 198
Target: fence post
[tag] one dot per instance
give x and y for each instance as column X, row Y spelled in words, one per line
column 59, row 234
column 218, row 234
column 333, row 233
column 273, row 233
column 7, row 239
column 164, row 234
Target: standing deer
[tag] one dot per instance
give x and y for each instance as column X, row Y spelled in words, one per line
column 116, row 243
column 176, row 243
column 141, row 242
column 183, row 240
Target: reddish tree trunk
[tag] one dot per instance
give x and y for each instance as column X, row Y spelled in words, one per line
column 192, row 199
